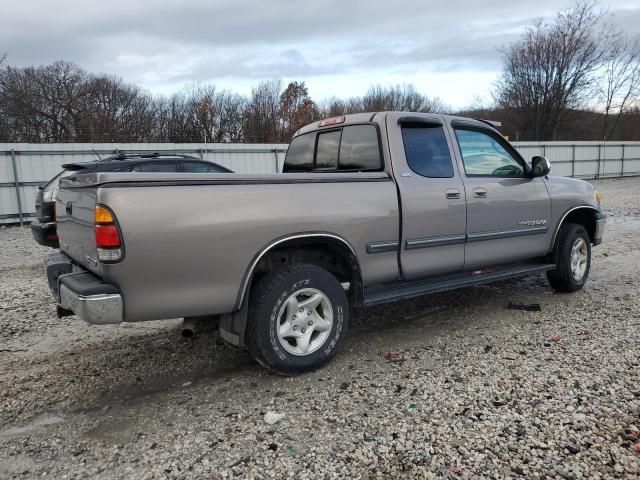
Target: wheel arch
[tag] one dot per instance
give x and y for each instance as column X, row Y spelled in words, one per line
column 307, row 242
column 583, row 215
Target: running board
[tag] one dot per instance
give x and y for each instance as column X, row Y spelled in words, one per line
column 389, row 292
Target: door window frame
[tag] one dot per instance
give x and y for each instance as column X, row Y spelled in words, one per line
column 457, row 124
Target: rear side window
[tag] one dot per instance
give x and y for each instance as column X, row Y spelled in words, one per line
column 359, row 149
column 327, row 152
column 196, row 167
column 155, row 167
column 427, row 151
column 300, row 154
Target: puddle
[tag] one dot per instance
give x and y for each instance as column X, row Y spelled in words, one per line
column 629, row 222
column 34, row 425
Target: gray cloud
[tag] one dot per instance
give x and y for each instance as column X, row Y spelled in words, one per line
column 202, row 40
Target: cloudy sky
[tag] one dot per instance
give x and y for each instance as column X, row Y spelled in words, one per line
column 339, row 47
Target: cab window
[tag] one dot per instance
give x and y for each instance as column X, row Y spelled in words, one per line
column 327, row 150
column 300, row 154
column 359, row 148
column 484, row 154
column 427, row 151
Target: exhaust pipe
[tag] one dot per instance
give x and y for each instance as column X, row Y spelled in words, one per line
column 194, row 325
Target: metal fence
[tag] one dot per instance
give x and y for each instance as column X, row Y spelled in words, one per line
column 23, row 167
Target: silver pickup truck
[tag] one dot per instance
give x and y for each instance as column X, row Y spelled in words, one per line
column 370, row 208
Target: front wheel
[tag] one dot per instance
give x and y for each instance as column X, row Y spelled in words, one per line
column 297, row 317
column 572, row 255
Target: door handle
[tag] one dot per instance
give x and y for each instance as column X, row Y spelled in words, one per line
column 69, row 208
column 452, row 194
column 480, row 193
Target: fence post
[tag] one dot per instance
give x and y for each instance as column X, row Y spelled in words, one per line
column 275, row 152
column 573, row 160
column 622, row 162
column 16, row 182
column 599, row 157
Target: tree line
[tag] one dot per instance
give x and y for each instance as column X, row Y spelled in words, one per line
column 62, row 102
column 572, row 78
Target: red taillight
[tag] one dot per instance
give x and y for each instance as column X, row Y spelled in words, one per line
column 108, row 241
column 107, row 236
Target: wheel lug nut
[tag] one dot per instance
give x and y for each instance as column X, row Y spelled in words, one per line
column 301, row 310
column 304, row 330
column 310, row 322
column 293, row 317
column 308, row 312
column 295, row 327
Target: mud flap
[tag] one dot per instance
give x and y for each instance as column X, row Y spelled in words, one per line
column 233, row 325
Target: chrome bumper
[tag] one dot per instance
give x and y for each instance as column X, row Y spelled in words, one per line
column 81, row 292
column 601, row 219
column 101, row 309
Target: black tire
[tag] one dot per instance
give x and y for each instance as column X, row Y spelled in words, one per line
column 561, row 279
column 267, row 300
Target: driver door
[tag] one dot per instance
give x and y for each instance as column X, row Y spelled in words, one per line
column 508, row 212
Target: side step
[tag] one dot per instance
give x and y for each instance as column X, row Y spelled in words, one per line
column 389, row 292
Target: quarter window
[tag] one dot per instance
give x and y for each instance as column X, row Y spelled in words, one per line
column 427, row 151
column 483, row 154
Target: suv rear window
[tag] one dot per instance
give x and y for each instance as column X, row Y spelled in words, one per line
column 354, row 147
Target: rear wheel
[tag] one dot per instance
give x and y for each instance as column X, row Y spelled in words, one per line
column 297, row 317
column 572, row 256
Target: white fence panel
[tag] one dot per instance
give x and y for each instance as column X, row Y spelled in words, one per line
column 37, row 163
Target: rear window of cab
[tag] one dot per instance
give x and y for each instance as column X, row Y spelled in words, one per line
column 350, row 148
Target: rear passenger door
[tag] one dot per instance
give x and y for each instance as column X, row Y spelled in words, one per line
column 432, row 196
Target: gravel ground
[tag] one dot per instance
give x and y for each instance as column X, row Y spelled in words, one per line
column 479, row 391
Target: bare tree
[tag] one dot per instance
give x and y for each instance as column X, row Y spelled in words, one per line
column 551, row 69
column 404, row 98
column 618, row 87
column 261, row 116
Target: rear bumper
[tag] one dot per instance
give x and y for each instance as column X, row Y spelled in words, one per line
column 45, row 233
column 82, row 292
column 601, row 220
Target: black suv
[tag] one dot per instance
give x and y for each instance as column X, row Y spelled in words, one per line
column 44, row 228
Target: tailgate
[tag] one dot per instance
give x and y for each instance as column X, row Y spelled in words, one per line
column 75, row 210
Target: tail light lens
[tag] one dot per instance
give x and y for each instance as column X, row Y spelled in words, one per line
column 108, row 240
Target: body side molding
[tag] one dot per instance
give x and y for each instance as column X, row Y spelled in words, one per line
column 513, row 232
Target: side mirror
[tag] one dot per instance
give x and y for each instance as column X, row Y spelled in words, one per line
column 540, row 166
